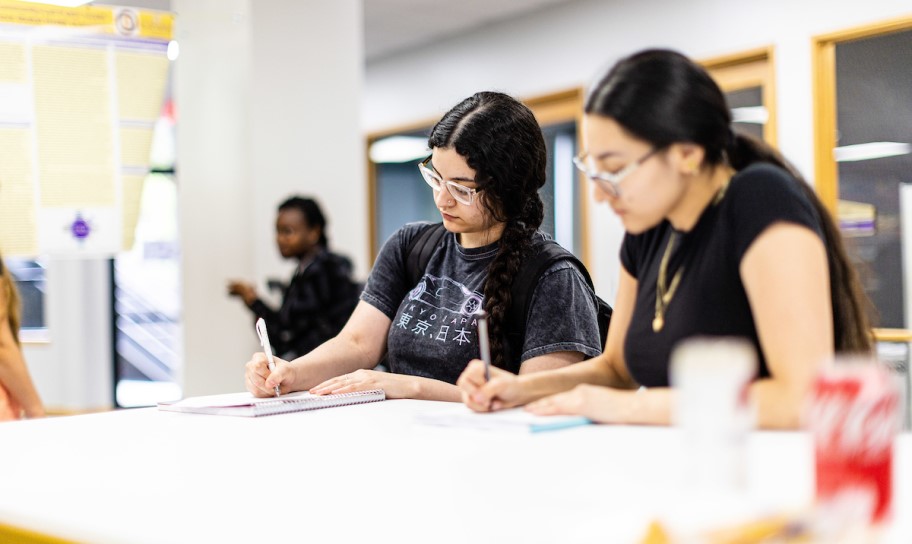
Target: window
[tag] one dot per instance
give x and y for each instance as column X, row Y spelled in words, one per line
column 863, row 88
column 146, row 288
column 29, row 275
column 748, row 83
column 863, row 160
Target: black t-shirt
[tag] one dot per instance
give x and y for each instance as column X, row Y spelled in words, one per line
column 432, row 333
column 710, row 299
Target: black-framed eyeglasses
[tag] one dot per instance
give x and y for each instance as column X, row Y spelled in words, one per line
column 460, row 193
column 608, row 181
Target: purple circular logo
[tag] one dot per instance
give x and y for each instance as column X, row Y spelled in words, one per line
column 80, row 228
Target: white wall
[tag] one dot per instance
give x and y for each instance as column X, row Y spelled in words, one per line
column 211, row 90
column 569, row 44
column 267, row 94
column 305, row 111
column 73, row 371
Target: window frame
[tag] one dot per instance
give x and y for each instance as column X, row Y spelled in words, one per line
column 747, row 69
column 826, row 171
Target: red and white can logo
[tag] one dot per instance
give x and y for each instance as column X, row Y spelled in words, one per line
column 854, row 417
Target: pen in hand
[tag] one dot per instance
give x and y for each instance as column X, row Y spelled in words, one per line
column 483, row 343
column 267, row 347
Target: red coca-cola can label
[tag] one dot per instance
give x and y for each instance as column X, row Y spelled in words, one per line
column 854, row 416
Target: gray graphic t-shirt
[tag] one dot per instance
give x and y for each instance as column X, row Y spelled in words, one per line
column 433, row 328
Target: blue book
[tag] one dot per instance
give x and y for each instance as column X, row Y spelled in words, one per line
column 515, row 419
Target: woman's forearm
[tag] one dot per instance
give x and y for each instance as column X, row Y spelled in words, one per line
column 430, row 389
column 16, row 379
column 536, row 385
column 339, row 355
column 778, row 405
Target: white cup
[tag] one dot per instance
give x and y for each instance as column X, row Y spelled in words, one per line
column 712, row 377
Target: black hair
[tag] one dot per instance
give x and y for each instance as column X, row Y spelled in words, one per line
column 500, row 139
column 313, row 215
column 662, row 97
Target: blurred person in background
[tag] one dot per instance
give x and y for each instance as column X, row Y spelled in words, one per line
column 321, row 295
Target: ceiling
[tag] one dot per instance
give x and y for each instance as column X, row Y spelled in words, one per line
column 392, row 26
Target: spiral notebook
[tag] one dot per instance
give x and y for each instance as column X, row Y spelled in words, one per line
column 246, row 405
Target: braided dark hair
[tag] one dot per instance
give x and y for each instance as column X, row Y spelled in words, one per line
column 662, row 97
column 312, row 214
column 500, row 139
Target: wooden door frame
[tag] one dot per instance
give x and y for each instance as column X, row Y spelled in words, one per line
column 826, row 179
column 371, row 178
column 823, row 49
column 745, row 69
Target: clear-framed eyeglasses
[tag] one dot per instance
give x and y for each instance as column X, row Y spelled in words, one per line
column 460, row 193
column 610, row 182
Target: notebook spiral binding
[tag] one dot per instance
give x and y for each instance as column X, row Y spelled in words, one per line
column 281, row 406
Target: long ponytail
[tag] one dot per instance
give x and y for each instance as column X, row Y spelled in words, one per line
column 851, row 329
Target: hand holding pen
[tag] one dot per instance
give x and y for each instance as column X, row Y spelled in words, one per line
column 486, row 388
column 267, row 347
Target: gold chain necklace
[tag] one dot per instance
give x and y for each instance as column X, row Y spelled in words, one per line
column 663, row 293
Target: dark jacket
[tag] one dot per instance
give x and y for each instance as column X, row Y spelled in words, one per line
column 315, row 306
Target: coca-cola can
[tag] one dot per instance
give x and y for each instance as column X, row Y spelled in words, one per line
column 854, row 416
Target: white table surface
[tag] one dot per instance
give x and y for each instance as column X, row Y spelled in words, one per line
column 364, row 473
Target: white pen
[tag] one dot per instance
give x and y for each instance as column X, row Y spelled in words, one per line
column 267, row 347
column 483, row 342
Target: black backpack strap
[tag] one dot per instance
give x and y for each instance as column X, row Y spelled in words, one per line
column 544, row 254
column 419, row 251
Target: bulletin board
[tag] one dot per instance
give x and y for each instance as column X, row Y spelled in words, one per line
column 80, row 92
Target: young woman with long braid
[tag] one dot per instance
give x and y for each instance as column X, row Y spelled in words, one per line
column 723, row 239
column 487, row 164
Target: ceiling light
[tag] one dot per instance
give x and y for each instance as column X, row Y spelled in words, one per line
column 872, row 150
column 399, row 149
column 755, row 115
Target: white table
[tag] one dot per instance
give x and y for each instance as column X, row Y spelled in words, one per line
column 361, row 474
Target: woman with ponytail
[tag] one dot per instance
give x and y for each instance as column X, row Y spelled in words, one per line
column 723, row 238
column 487, row 163
column 18, row 396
